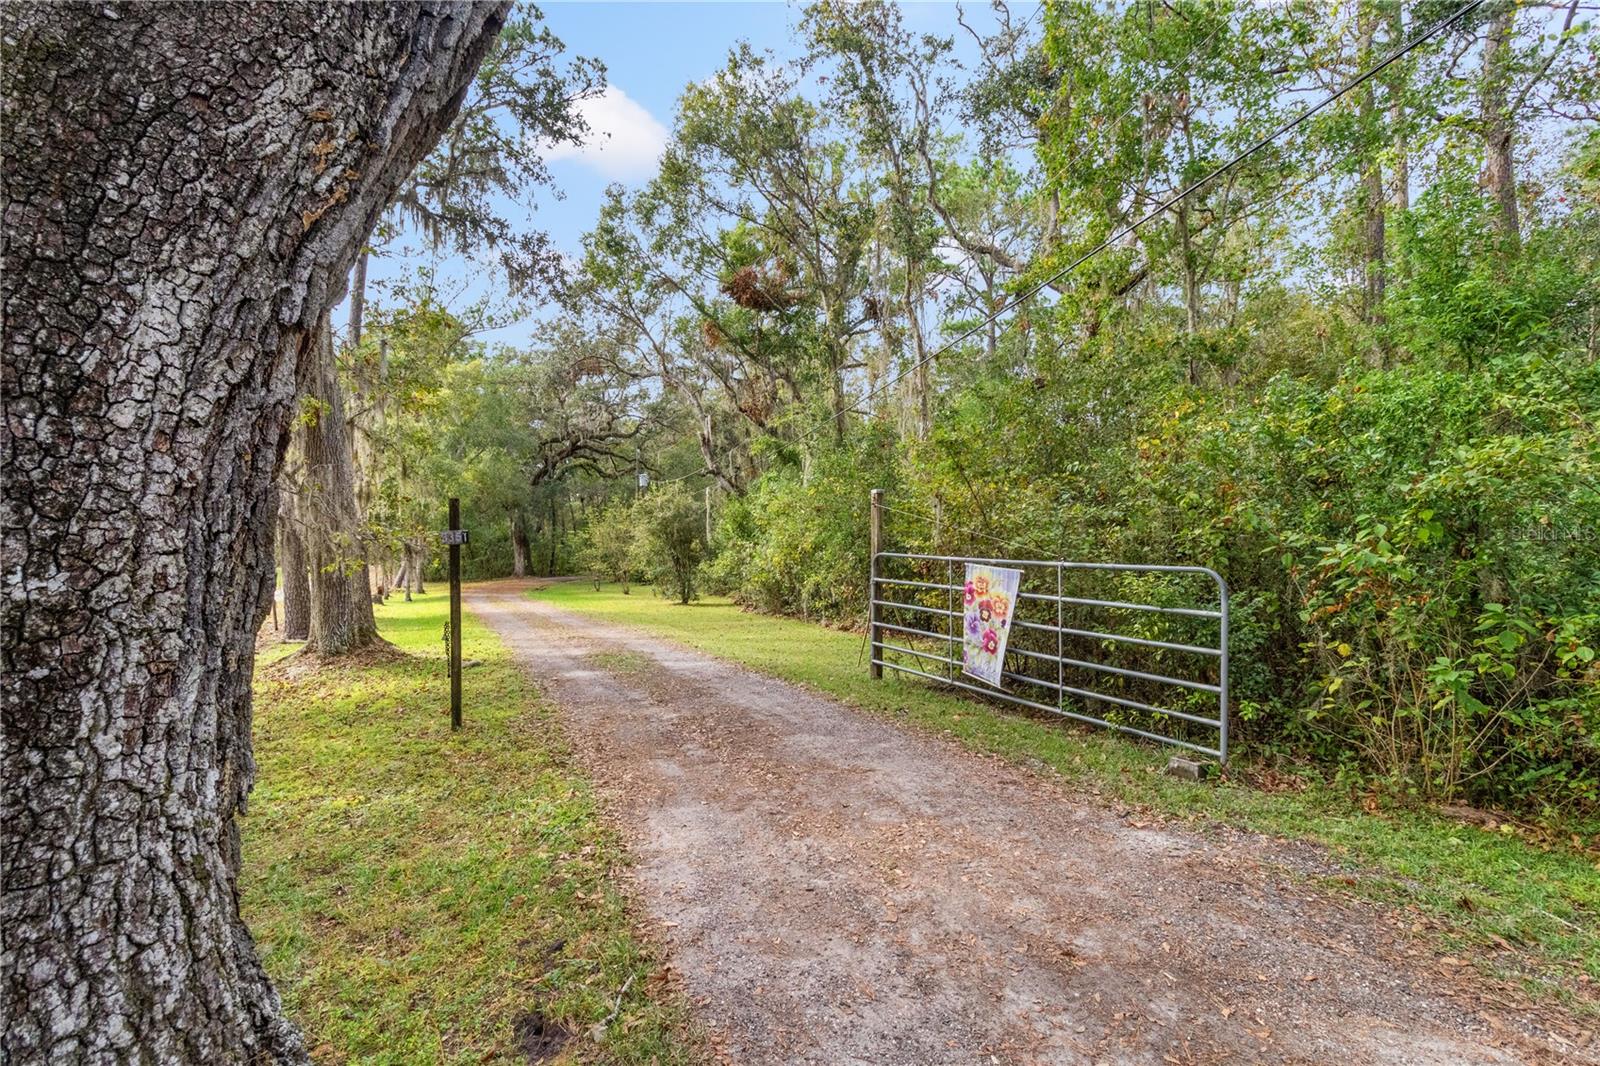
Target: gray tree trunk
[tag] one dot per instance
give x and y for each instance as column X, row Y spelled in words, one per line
column 419, row 559
column 1374, row 257
column 342, row 592
column 1499, row 173
column 521, row 551
column 555, row 539
column 293, row 564
column 185, row 187
column 402, row 577
column 1396, row 86
column 358, row 298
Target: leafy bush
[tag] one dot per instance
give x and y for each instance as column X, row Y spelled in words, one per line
column 669, row 539
column 1412, row 542
column 607, row 545
column 797, row 543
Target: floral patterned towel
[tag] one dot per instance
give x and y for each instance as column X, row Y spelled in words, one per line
column 991, row 601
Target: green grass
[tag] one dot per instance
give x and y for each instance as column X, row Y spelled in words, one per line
column 1520, row 909
column 416, row 893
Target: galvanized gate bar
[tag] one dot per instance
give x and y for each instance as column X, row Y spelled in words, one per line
column 918, row 632
column 1061, row 602
column 1198, row 686
column 1131, row 730
column 912, row 584
column 1188, row 612
column 1140, row 640
column 913, row 607
column 1062, row 599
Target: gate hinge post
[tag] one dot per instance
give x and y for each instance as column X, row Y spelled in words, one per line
column 875, row 544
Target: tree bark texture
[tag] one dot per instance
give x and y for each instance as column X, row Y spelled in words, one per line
column 555, row 539
column 521, row 551
column 419, row 561
column 358, row 298
column 1499, row 174
column 1395, row 85
column 402, row 577
column 185, row 187
column 1373, row 196
column 342, row 592
column 293, row 565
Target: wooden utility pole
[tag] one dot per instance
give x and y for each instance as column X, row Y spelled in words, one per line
column 455, row 539
column 875, row 668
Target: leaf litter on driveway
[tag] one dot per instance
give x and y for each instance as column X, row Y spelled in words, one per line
column 832, row 888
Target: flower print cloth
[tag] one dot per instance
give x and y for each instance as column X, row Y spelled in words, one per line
column 990, row 601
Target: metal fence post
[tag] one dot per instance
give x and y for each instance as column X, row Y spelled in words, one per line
column 950, row 591
column 1222, row 676
column 1061, row 673
column 875, row 665
column 455, row 617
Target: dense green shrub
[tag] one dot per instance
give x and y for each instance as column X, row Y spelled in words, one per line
column 1411, row 530
column 606, row 546
column 669, row 541
column 797, row 542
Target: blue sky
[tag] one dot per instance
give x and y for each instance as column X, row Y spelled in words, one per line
column 651, row 51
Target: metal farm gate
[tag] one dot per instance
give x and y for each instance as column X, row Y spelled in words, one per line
column 1138, row 648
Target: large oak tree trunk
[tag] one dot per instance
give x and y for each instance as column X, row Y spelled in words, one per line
column 185, row 187
column 341, row 586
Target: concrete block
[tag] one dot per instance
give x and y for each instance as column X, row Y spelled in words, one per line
column 1188, row 769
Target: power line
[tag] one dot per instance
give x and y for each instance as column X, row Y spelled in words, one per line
column 1299, row 120
column 1107, row 131
column 1355, row 83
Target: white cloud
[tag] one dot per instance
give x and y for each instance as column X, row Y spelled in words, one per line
column 624, row 141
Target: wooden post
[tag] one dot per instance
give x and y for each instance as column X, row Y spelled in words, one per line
column 455, row 618
column 875, row 668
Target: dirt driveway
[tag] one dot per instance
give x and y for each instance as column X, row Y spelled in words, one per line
column 833, row 889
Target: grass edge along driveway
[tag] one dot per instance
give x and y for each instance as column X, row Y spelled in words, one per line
column 423, row 897
column 1518, row 909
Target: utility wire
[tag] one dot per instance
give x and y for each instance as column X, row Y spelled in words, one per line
column 1037, row 287
column 1105, row 133
column 1355, row 83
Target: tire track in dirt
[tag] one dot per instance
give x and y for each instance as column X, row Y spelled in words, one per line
column 833, row 889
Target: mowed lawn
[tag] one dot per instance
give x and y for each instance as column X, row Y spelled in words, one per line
column 423, row 897
column 1522, row 908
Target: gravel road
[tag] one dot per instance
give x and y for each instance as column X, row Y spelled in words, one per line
column 831, row 888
